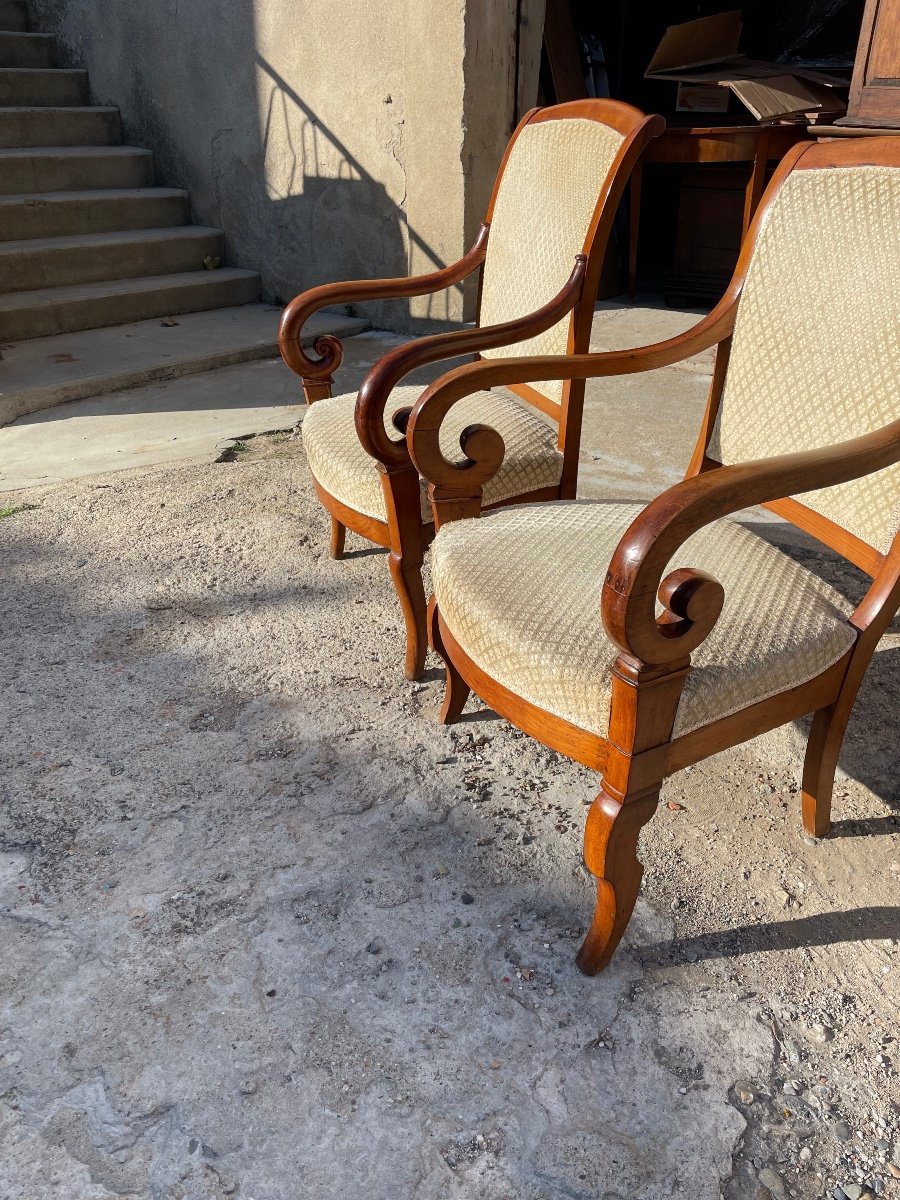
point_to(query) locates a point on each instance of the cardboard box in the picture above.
(697, 43)
(781, 97)
(703, 54)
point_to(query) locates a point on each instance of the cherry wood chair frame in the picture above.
(654, 652)
(404, 533)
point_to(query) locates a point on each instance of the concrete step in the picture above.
(26, 85)
(54, 126)
(48, 371)
(57, 214)
(114, 302)
(14, 15)
(74, 168)
(26, 266)
(27, 49)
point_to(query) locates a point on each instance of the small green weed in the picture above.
(12, 509)
(233, 452)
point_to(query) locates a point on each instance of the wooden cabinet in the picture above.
(875, 91)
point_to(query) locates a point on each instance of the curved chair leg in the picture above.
(408, 584)
(642, 713)
(456, 690)
(819, 767)
(402, 496)
(827, 735)
(610, 854)
(338, 533)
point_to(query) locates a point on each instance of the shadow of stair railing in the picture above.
(316, 184)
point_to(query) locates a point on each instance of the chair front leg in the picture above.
(610, 854)
(402, 494)
(642, 713)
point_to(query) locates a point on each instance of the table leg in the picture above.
(634, 221)
(757, 180)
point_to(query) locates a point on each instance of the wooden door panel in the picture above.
(875, 91)
(883, 66)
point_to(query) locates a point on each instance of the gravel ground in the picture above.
(268, 931)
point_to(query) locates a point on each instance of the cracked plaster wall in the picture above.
(329, 140)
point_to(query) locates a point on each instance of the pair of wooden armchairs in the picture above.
(640, 639)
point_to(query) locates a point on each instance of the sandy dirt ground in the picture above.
(269, 931)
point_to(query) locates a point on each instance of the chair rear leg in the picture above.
(338, 533)
(820, 764)
(456, 690)
(610, 854)
(826, 738)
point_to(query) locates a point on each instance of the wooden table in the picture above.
(758, 145)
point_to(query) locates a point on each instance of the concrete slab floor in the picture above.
(48, 371)
(173, 420)
(163, 422)
(268, 931)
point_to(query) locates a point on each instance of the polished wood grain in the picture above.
(875, 87)
(655, 617)
(392, 367)
(338, 535)
(711, 145)
(860, 553)
(367, 527)
(316, 373)
(483, 448)
(404, 531)
(635, 580)
(456, 690)
(871, 619)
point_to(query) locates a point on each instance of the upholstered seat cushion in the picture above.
(520, 592)
(347, 472)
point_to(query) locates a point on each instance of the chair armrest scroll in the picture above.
(328, 347)
(691, 599)
(384, 376)
(483, 447)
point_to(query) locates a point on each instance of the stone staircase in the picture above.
(86, 240)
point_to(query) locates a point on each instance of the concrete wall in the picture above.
(329, 138)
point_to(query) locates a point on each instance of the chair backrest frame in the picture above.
(882, 565)
(636, 129)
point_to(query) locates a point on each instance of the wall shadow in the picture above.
(196, 86)
(352, 210)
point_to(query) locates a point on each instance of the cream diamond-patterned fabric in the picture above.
(816, 352)
(520, 591)
(547, 197)
(343, 468)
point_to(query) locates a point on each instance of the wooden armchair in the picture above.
(639, 641)
(540, 252)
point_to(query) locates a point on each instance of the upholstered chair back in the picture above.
(542, 217)
(815, 357)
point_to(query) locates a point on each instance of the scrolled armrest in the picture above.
(328, 347)
(484, 454)
(691, 599)
(389, 370)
